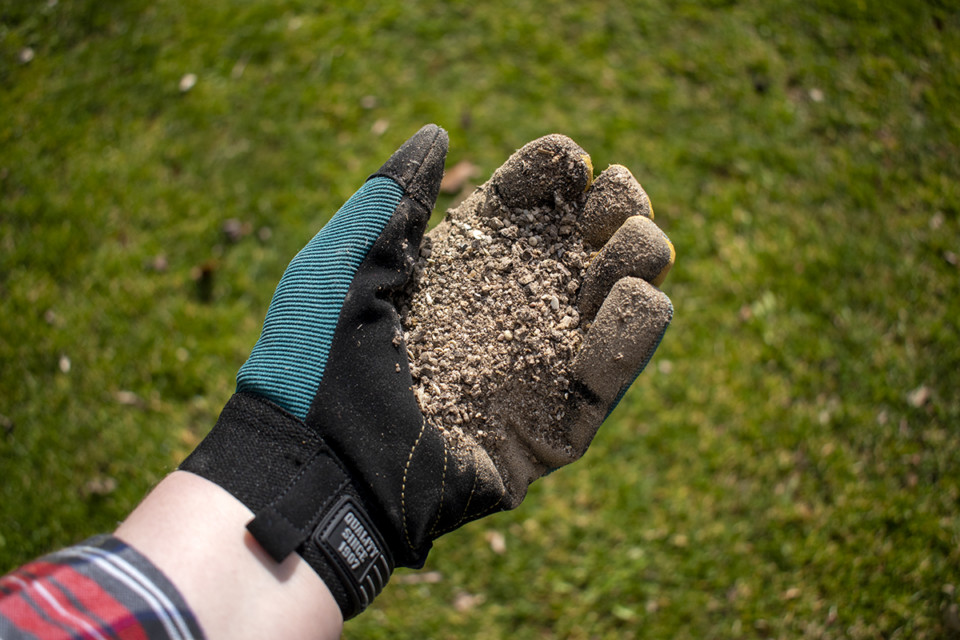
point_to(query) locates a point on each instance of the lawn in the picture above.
(788, 465)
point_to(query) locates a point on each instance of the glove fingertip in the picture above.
(639, 248)
(623, 337)
(417, 166)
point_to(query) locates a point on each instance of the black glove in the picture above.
(324, 440)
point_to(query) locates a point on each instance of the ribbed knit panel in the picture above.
(289, 359)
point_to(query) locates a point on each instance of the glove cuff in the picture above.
(302, 498)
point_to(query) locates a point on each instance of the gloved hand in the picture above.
(325, 440)
(534, 312)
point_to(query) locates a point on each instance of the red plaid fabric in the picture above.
(99, 589)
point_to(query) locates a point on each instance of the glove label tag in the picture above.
(347, 536)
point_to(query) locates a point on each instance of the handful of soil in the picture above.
(495, 322)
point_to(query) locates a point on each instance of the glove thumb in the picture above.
(417, 166)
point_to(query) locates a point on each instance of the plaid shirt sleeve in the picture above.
(101, 588)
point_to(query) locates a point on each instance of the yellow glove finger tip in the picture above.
(660, 277)
(589, 164)
(614, 197)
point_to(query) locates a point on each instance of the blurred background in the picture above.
(788, 465)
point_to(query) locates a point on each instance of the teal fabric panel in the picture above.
(289, 359)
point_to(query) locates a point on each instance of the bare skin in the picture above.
(194, 532)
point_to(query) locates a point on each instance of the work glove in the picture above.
(326, 439)
(535, 307)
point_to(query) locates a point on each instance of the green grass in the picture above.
(789, 465)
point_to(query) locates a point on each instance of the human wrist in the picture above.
(236, 591)
(320, 515)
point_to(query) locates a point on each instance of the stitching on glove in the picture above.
(467, 516)
(473, 490)
(403, 486)
(443, 487)
(491, 509)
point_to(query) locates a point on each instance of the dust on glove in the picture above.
(534, 309)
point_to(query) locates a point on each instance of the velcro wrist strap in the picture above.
(302, 498)
(316, 509)
(285, 523)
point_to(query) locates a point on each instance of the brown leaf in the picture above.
(424, 577)
(100, 486)
(497, 542)
(464, 601)
(919, 396)
(457, 177)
